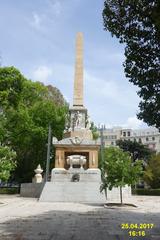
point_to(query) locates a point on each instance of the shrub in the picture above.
(6, 190)
(149, 192)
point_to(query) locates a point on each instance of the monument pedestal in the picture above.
(62, 188)
(72, 192)
(82, 133)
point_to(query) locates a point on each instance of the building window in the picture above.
(147, 139)
(112, 143)
(140, 140)
(124, 134)
(129, 134)
(153, 138)
(114, 137)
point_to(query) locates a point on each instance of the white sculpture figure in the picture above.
(88, 122)
(38, 175)
(67, 123)
(78, 117)
(69, 129)
(65, 130)
(54, 140)
(72, 122)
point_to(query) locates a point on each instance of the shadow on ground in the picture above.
(99, 224)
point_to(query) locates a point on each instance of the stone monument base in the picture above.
(72, 192)
(82, 133)
(79, 185)
(63, 187)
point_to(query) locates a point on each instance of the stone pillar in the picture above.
(78, 79)
(59, 163)
(93, 159)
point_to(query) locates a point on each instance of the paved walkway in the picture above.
(28, 219)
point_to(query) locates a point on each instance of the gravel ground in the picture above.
(28, 219)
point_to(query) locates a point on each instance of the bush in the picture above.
(7, 162)
(149, 192)
(11, 190)
(152, 172)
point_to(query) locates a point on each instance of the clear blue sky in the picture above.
(38, 37)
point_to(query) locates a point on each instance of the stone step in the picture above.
(72, 192)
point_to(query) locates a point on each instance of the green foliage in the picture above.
(137, 25)
(95, 135)
(137, 150)
(55, 95)
(152, 172)
(118, 169)
(2, 126)
(10, 190)
(94, 130)
(7, 162)
(11, 84)
(32, 92)
(24, 125)
(150, 192)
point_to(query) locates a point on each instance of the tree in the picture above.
(137, 25)
(24, 125)
(55, 95)
(94, 130)
(137, 150)
(118, 169)
(152, 172)
(11, 84)
(7, 162)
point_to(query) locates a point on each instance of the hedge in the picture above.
(9, 190)
(143, 191)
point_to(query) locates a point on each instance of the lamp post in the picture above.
(102, 143)
(48, 153)
(102, 155)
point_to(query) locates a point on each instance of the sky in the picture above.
(38, 38)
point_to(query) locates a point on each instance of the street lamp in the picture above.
(48, 153)
(102, 143)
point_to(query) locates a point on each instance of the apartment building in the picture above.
(149, 136)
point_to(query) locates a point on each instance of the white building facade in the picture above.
(149, 136)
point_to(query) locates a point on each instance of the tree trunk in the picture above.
(121, 195)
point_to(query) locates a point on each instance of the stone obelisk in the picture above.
(78, 78)
(78, 124)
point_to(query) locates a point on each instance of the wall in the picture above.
(31, 189)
